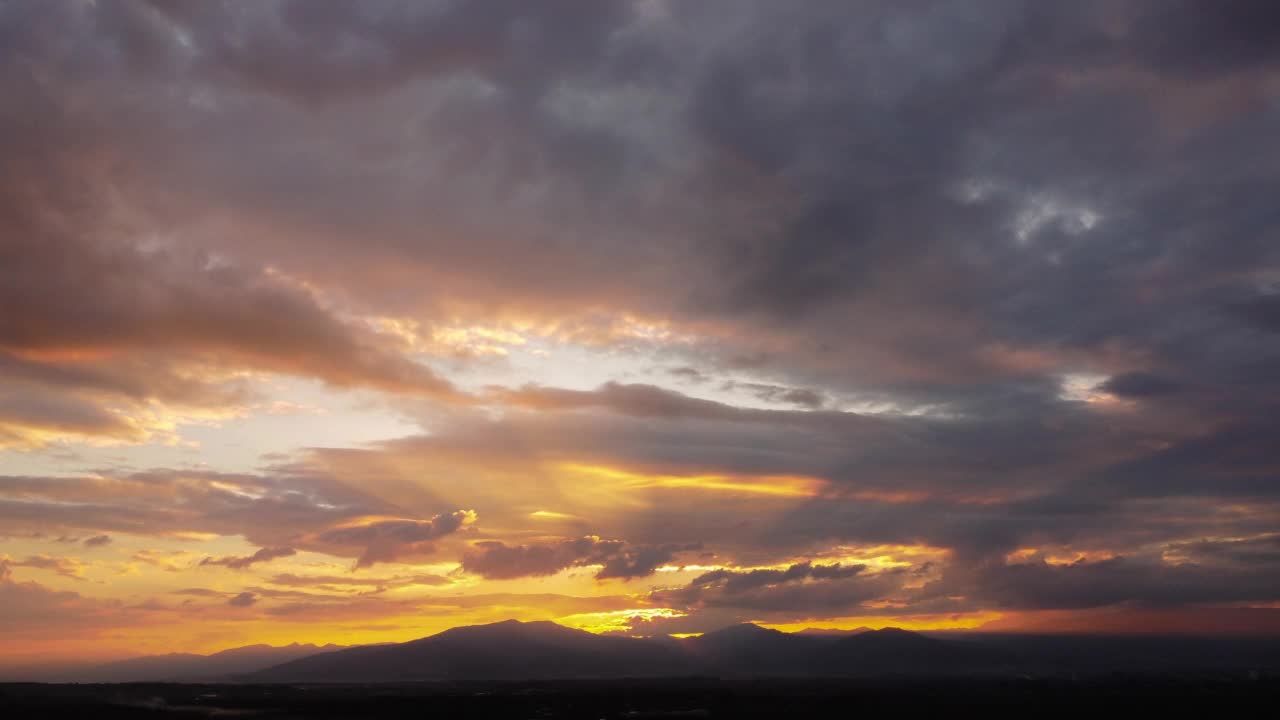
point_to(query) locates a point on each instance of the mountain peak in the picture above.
(513, 650)
(833, 632)
(500, 650)
(893, 632)
(745, 629)
(510, 629)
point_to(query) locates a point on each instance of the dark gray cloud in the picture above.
(814, 590)
(1199, 37)
(688, 373)
(243, 561)
(386, 540)
(1083, 584)
(783, 109)
(952, 248)
(244, 599)
(1139, 384)
(498, 560)
(322, 52)
(1240, 553)
(97, 541)
(803, 397)
(641, 561)
(1262, 311)
(735, 581)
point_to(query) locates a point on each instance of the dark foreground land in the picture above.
(1247, 695)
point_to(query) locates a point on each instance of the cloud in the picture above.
(1139, 384)
(976, 484)
(199, 592)
(97, 541)
(265, 554)
(1261, 310)
(193, 317)
(387, 540)
(806, 588)
(1243, 553)
(1116, 581)
(641, 561)
(494, 559)
(349, 581)
(399, 43)
(907, 267)
(64, 566)
(906, 262)
(804, 397)
(25, 603)
(270, 511)
(688, 373)
(244, 599)
(649, 401)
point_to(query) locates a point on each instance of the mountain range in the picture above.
(515, 651)
(173, 667)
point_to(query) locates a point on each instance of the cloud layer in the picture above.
(734, 310)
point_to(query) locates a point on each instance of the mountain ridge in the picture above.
(176, 667)
(542, 650)
(512, 650)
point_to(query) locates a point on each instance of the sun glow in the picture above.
(618, 620)
(1057, 556)
(917, 623)
(790, 486)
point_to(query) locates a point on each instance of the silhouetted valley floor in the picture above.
(1200, 695)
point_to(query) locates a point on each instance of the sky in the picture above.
(353, 322)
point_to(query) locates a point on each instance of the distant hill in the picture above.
(183, 667)
(751, 649)
(895, 651)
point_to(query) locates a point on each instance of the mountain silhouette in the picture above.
(752, 649)
(832, 632)
(514, 650)
(179, 667)
(892, 650)
(509, 650)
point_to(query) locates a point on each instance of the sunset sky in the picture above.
(353, 322)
